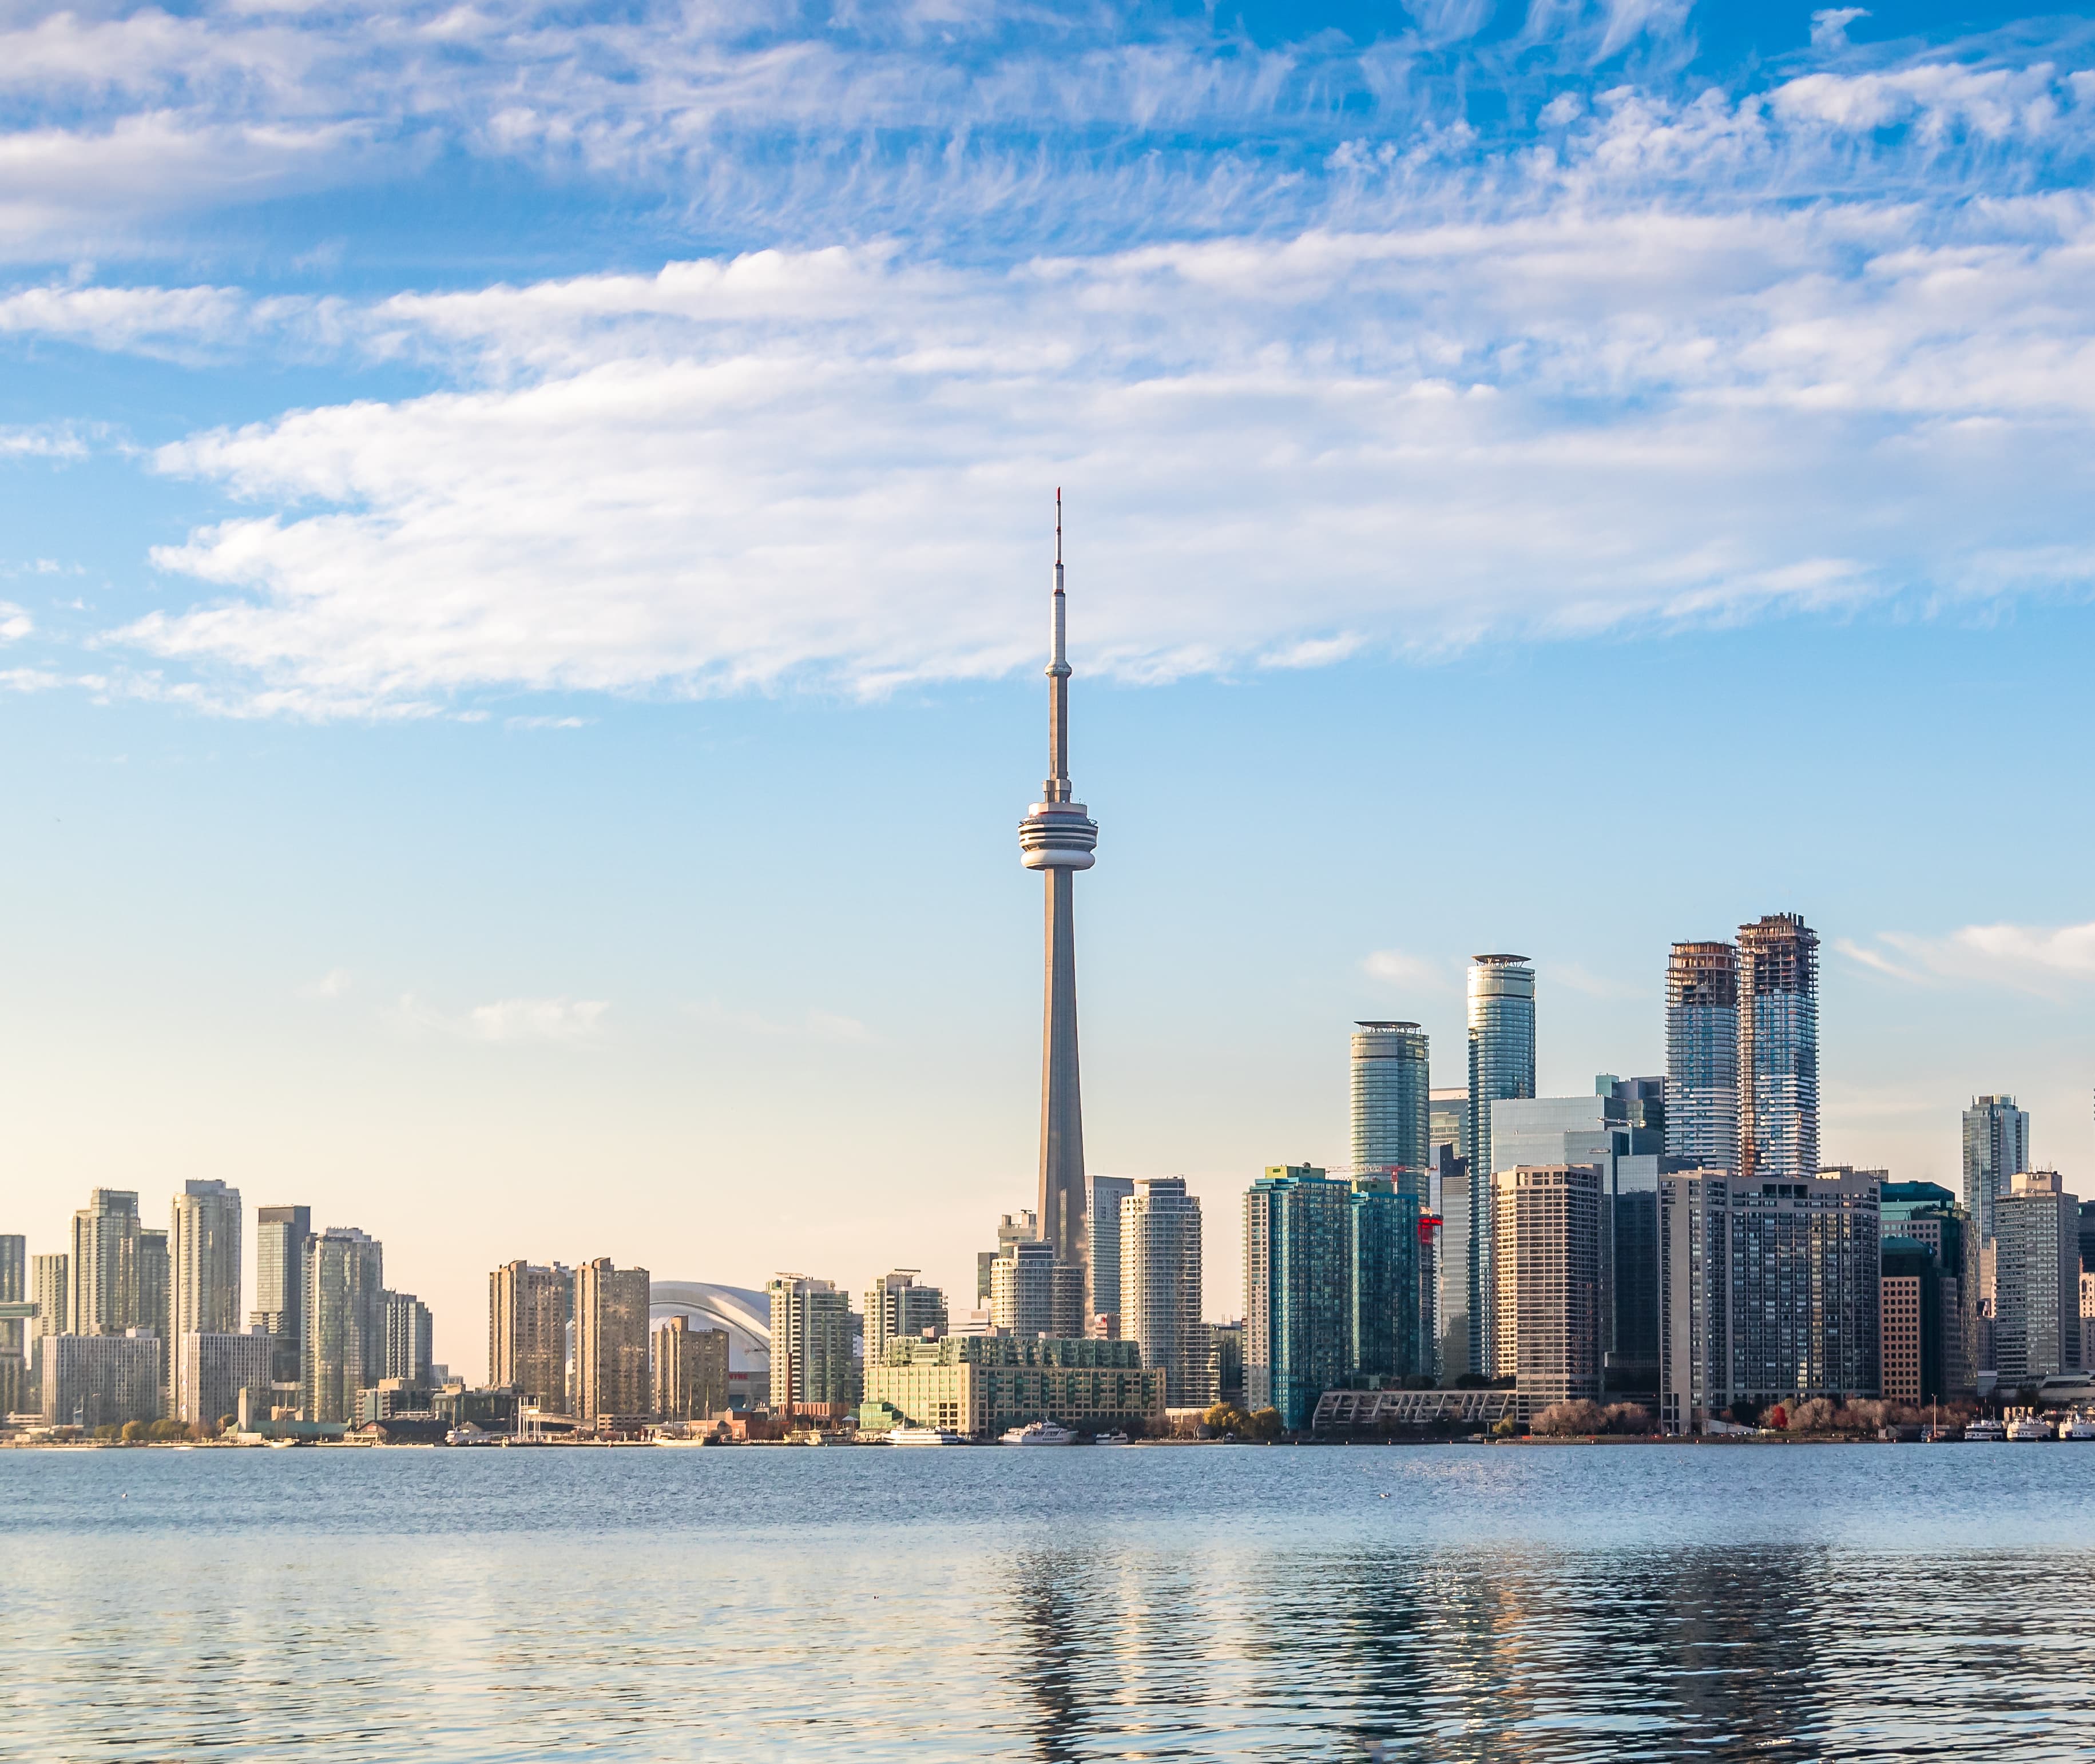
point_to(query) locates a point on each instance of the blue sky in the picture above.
(526, 533)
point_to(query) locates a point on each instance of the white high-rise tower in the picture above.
(1057, 836)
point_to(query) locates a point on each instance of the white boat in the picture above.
(922, 1436)
(2077, 1427)
(1109, 1439)
(1040, 1433)
(1984, 1429)
(2029, 1427)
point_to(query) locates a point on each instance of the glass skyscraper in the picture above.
(343, 1326)
(1777, 1050)
(1501, 1066)
(1702, 1055)
(1995, 1149)
(1295, 1288)
(1392, 1104)
(1388, 1329)
(280, 1261)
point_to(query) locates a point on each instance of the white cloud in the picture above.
(331, 984)
(1829, 29)
(567, 1021)
(15, 623)
(1413, 973)
(2020, 957)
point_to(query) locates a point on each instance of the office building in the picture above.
(51, 1291)
(101, 1381)
(213, 1367)
(410, 1342)
(342, 1321)
(1779, 1051)
(895, 1306)
(528, 1310)
(203, 1260)
(104, 1266)
(1702, 1055)
(1995, 1146)
(1929, 1215)
(1501, 1015)
(1102, 1299)
(1546, 1229)
(690, 1370)
(1058, 838)
(1160, 1288)
(1448, 1120)
(1769, 1292)
(1033, 1292)
(980, 1386)
(1387, 1331)
(811, 1342)
(1391, 1104)
(1910, 1322)
(281, 1234)
(1012, 1228)
(14, 1290)
(2036, 1280)
(611, 1374)
(1296, 1237)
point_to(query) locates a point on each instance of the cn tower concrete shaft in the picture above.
(1058, 837)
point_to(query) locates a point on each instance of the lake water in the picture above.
(1241, 1603)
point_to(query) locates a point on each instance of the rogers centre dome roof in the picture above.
(744, 1314)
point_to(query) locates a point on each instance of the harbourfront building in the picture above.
(1996, 1147)
(2036, 1280)
(213, 1367)
(156, 1290)
(895, 1306)
(1012, 1228)
(104, 1269)
(1928, 1215)
(1391, 1096)
(1777, 1050)
(203, 1260)
(1910, 1329)
(343, 1322)
(14, 1290)
(811, 1342)
(1450, 1263)
(51, 1291)
(980, 1386)
(281, 1234)
(1160, 1288)
(529, 1307)
(410, 1343)
(690, 1371)
(1102, 1302)
(1387, 1338)
(1702, 1055)
(1501, 1029)
(612, 1377)
(101, 1381)
(1769, 1292)
(1296, 1237)
(1547, 1229)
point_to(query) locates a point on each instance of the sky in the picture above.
(524, 535)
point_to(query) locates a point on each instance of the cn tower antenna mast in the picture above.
(1058, 837)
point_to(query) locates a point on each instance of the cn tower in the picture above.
(1058, 837)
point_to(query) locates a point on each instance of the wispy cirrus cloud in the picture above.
(2039, 959)
(568, 1023)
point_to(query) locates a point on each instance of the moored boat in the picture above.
(1985, 1431)
(922, 1436)
(1040, 1433)
(2077, 1427)
(2029, 1427)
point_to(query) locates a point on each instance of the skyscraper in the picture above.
(14, 1290)
(279, 1263)
(1387, 1330)
(1012, 1228)
(51, 1291)
(410, 1344)
(1160, 1288)
(343, 1322)
(1295, 1235)
(1995, 1148)
(2036, 1280)
(529, 1309)
(1546, 1229)
(1777, 1050)
(104, 1269)
(154, 1292)
(690, 1371)
(810, 1350)
(1702, 1054)
(1023, 1294)
(1501, 1065)
(203, 1262)
(1391, 1097)
(1059, 837)
(612, 1373)
(1102, 1197)
(897, 1309)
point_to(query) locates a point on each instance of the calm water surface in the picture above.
(1239, 1603)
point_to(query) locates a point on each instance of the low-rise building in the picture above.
(979, 1386)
